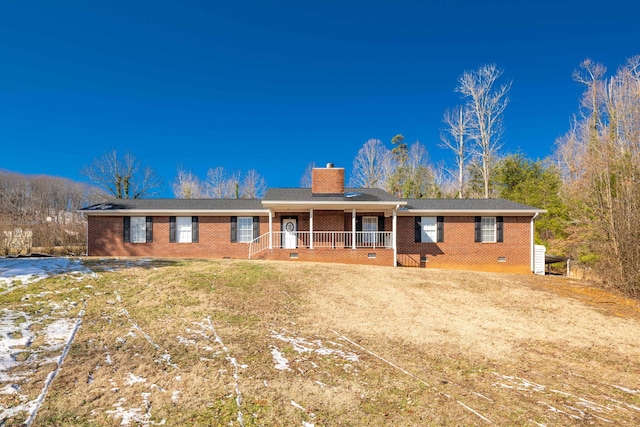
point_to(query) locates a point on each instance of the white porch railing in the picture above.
(322, 239)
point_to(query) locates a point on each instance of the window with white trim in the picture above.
(183, 229)
(428, 229)
(138, 229)
(370, 228)
(245, 229)
(488, 229)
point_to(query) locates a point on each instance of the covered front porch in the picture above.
(329, 235)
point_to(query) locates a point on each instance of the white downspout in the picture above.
(533, 245)
(310, 228)
(394, 227)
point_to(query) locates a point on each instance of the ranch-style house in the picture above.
(324, 223)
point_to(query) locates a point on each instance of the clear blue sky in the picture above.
(275, 85)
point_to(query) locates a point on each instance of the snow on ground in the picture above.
(22, 271)
(57, 326)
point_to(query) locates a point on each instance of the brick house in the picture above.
(324, 223)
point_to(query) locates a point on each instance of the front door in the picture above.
(290, 228)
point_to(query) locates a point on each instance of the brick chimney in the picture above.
(327, 180)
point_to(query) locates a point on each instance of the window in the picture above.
(183, 229)
(245, 229)
(138, 229)
(429, 229)
(370, 227)
(488, 229)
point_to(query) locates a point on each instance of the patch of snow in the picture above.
(175, 396)
(297, 405)
(57, 332)
(301, 345)
(23, 271)
(282, 364)
(626, 390)
(132, 379)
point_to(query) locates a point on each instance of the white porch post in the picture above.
(270, 229)
(353, 229)
(310, 228)
(395, 245)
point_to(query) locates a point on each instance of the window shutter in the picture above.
(195, 229)
(417, 229)
(256, 227)
(149, 229)
(499, 229)
(126, 235)
(172, 229)
(440, 229)
(478, 229)
(358, 223)
(234, 229)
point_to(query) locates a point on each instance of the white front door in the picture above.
(290, 228)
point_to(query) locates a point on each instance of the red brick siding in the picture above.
(106, 239)
(327, 180)
(383, 257)
(459, 251)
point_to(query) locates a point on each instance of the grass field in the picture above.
(220, 343)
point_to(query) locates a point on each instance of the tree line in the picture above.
(38, 214)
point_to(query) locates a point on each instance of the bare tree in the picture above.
(40, 213)
(600, 161)
(306, 179)
(123, 177)
(371, 166)
(485, 106)
(456, 138)
(221, 185)
(253, 185)
(186, 185)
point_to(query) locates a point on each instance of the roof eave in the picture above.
(461, 212)
(173, 212)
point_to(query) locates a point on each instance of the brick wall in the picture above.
(106, 239)
(327, 180)
(459, 251)
(377, 256)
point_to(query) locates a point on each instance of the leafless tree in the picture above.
(485, 105)
(456, 138)
(221, 185)
(371, 166)
(40, 212)
(600, 160)
(306, 180)
(253, 185)
(123, 177)
(186, 185)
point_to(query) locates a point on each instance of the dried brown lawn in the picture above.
(194, 343)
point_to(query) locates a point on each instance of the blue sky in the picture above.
(275, 85)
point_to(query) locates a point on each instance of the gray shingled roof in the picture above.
(305, 195)
(350, 195)
(468, 205)
(176, 204)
